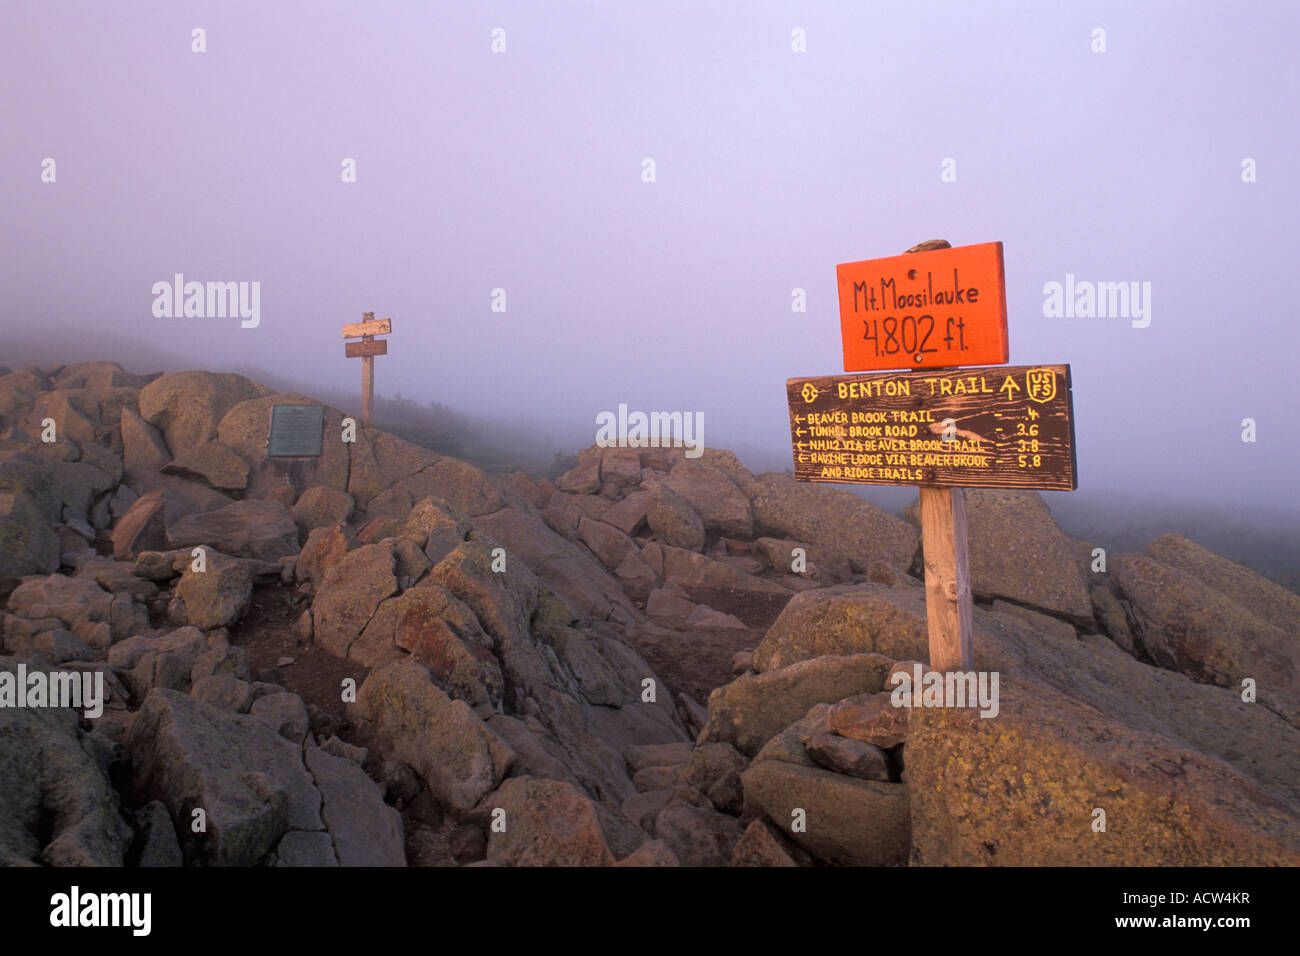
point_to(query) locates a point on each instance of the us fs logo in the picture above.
(1040, 384)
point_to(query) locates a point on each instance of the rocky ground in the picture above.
(389, 656)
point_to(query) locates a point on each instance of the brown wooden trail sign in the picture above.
(1009, 426)
(366, 350)
(934, 307)
(371, 326)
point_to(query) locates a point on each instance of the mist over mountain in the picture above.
(494, 174)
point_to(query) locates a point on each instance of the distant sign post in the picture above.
(933, 424)
(366, 350)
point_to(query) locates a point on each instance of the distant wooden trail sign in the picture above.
(932, 309)
(366, 350)
(1006, 427)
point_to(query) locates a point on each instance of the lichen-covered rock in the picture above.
(249, 782)
(847, 619)
(442, 634)
(1256, 593)
(565, 569)
(662, 603)
(709, 763)
(606, 542)
(582, 479)
(1186, 626)
(832, 518)
(118, 578)
(819, 563)
(216, 596)
(437, 527)
(845, 821)
(547, 823)
(751, 710)
(619, 468)
(697, 835)
(285, 713)
(364, 830)
(28, 545)
(56, 487)
(323, 548)
(870, 718)
(466, 488)
(691, 570)
(144, 450)
(349, 593)
(706, 617)
(1164, 804)
(758, 846)
(321, 506)
(250, 528)
(1187, 773)
(789, 745)
(99, 375)
(59, 808)
(144, 525)
(1018, 552)
(674, 520)
(650, 853)
(853, 758)
(213, 462)
(1036, 620)
(188, 406)
(164, 660)
(628, 515)
(443, 740)
(76, 602)
(722, 506)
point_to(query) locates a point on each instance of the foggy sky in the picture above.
(522, 170)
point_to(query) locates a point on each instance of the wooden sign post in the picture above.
(939, 427)
(948, 604)
(949, 611)
(367, 349)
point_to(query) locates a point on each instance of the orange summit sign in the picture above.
(935, 309)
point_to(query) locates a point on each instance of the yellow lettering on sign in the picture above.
(891, 388)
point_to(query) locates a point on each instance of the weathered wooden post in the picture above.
(947, 577)
(367, 349)
(948, 609)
